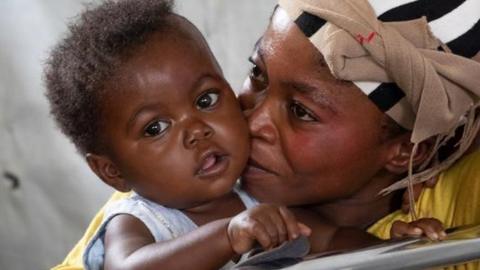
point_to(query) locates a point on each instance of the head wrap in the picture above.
(403, 68)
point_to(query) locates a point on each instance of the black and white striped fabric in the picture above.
(455, 22)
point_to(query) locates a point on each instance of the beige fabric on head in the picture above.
(441, 89)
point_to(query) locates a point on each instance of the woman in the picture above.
(335, 144)
(321, 142)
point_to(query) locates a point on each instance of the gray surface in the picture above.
(460, 246)
(42, 218)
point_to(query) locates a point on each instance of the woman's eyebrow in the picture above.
(317, 95)
(319, 60)
(258, 49)
(257, 44)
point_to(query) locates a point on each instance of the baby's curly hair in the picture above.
(80, 65)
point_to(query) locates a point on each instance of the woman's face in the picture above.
(314, 138)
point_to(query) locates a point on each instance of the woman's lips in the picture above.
(254, 168)
(212, 164)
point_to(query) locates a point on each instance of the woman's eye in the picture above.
(256, 73)
(301, 112)
(257, 76)
(207, 100)
(156, 128)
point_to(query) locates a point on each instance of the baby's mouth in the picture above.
(212, 164)
(208, 162)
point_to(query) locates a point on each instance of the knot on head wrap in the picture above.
(439, 90)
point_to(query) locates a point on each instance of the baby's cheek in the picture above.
(232, 133)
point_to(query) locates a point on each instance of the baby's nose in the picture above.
(196, 132)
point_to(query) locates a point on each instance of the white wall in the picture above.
(41, 219)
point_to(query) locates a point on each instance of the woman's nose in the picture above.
(196, 132)
(261, 122)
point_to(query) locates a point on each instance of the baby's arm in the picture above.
(130, 245)
(430, 227)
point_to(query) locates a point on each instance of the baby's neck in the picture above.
(223, 207)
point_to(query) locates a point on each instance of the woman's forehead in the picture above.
(280, 19)
(284, 42)
(294, 65)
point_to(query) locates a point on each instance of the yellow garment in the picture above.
(455, 201)
(73, 261)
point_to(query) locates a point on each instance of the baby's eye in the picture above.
(302, 113)
(156, 128)
(207, 100)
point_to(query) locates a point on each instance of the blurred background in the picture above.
(47, 192)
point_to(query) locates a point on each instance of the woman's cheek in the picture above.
(324, 149)
(306, 151)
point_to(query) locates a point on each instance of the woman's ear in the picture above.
(400, 150)
(104, 168)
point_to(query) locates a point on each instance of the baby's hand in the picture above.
(431, 227)
(267, 224)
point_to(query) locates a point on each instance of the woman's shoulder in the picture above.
(467, 166)
(460, 186)
(454, 200)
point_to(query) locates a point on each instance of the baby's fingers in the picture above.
(304, 229)
(260, 233)
(280, 226)
(294, 227)
(273, 225)
(290, 222)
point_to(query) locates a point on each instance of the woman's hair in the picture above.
(81, 63)
(391, 129)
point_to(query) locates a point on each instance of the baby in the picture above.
(140, 94)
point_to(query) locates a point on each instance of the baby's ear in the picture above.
(104, 168)
(400, 150)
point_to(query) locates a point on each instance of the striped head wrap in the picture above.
(412, 60)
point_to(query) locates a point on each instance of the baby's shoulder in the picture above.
(163, 223)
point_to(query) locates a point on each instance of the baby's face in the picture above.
(175, 130)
